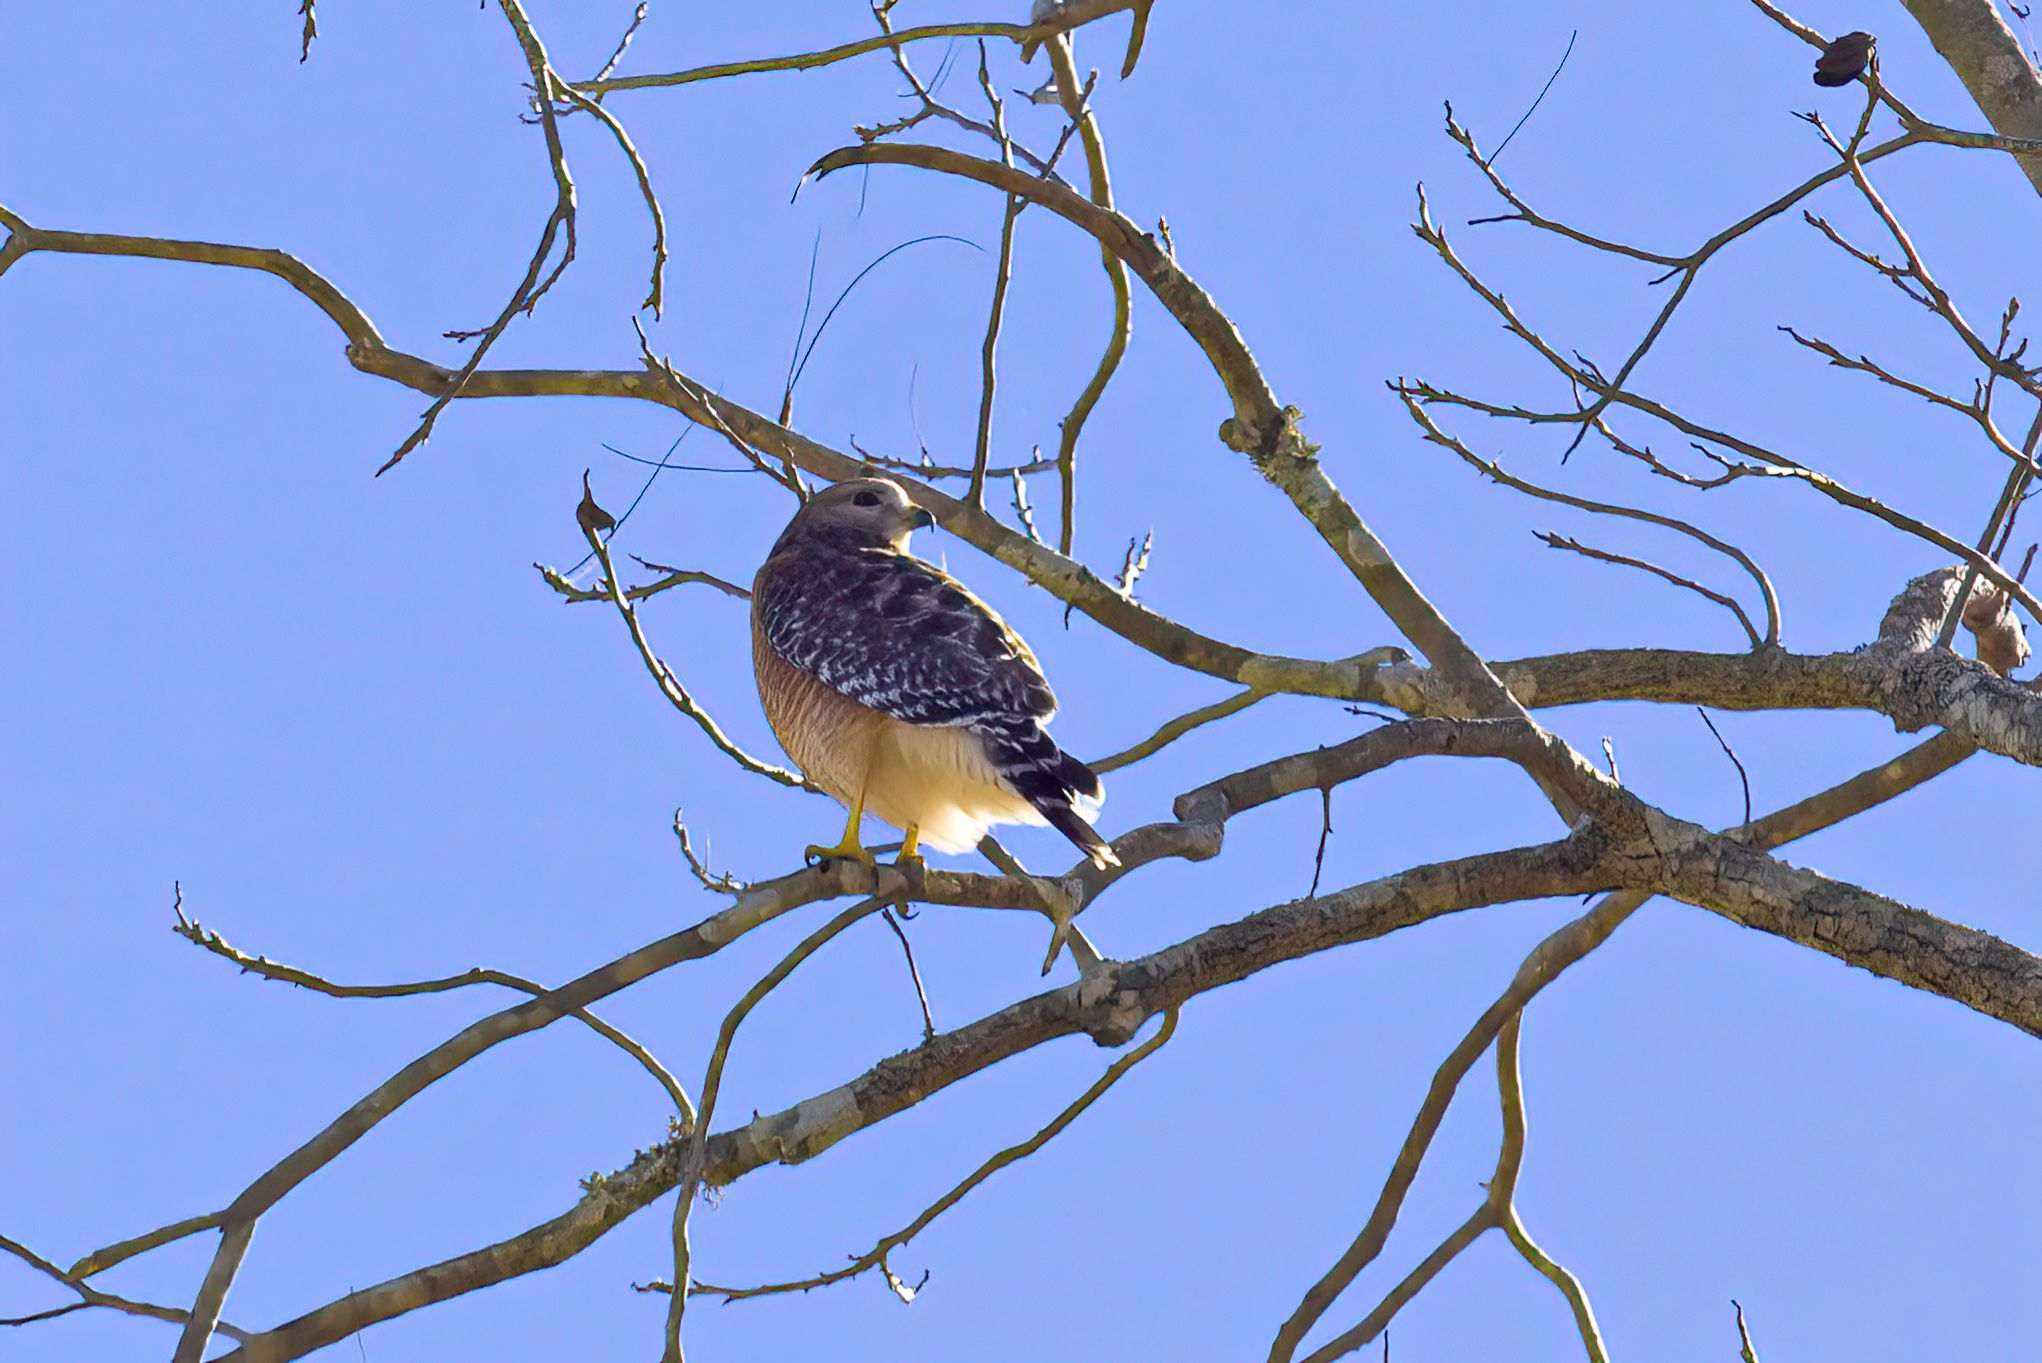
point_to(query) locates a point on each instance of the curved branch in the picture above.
(876, 1256)
(90, 1296)
(1260, 427)
(1497, 473)
(1547, 961)
(2001, 717)
(1554, 540)
(1109, 1006)
(1611, 391)
(758, 905)
(712, 1086)
(560, 225)
(213, 942)
(1551, 957)
(1070, 15)
(670, 685)
(1175, 729)
(1069, 581)
(1079, 110)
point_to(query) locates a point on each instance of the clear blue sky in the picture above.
(348, 716)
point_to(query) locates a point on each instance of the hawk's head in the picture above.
(865, 512)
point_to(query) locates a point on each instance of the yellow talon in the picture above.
(908, 855)
(849, 848)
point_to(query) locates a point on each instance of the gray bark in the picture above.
(1974, 39)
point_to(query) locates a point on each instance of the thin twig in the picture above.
(1553, 540)
(1080, 113)
(1175, 729)
(712, 1083)
(914, 973)
(1325, 832)
(630, 32)
(1743, 777)
(1497, 473)
(1134, 563)
(675, 577)
(1779, 465)
(1002, 272)
(100, 1260)
(670, 684)
(713, 882)
(928, 468)
(200, 936)
(931, 107)
(1023, 512)
(655, 294)
(1745, 1352)
(876, 1256)
(90, 1296)
(560, 222)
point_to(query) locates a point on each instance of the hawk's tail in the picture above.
(1060, 787)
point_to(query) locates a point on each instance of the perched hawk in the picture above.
(898, 691)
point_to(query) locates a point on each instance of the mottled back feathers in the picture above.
(895, 634)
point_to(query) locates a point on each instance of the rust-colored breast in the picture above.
(828, 735)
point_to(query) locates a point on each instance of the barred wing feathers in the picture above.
(900, 636)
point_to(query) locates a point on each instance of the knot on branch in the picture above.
(1273, 438)
(1113, 1008)
(1919, 618)
(2001, 642)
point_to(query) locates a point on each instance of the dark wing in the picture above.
(895, 634)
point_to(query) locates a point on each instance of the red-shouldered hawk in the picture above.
(899, 692)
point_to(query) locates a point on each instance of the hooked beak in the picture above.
(921, 520)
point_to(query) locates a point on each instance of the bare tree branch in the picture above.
(1079, 110)
(876, 1256)
(90, 1297)
(206, 939)
(1074, 14)
(1553, 540)
(560, 225)
(670, 684)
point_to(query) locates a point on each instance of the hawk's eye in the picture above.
(866, 499)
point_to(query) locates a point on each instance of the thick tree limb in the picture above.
(1974, 39)
(1109, 1007)
(1916, 689)
(1867, 930)
(1112, 1004)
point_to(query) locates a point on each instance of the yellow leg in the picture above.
(908, 855)
(849, 849)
